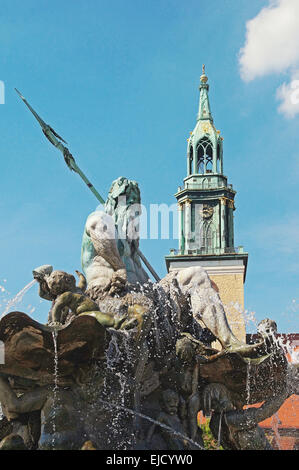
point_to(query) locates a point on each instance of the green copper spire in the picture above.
(204, 111)
(205, 149)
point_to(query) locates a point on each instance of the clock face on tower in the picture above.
(206, 211)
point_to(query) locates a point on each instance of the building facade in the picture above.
(206, 216)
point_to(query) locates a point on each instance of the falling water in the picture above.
(219, 430)
(275, 426)
(152, 420)
(18, 297)
(122, 382)
(143, 290)
(55, 390)
(113, 352)
(117, 348)
(248, 371)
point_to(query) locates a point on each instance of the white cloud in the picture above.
(272, 46)
(288, 94)
(272, 39)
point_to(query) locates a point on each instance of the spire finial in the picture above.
(203, 78)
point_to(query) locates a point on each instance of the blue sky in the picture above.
(119, 81)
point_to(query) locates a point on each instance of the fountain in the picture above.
(126, 363)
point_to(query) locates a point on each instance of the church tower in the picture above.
(206, 216)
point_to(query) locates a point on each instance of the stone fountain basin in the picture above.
(254, 380)
(30, 352)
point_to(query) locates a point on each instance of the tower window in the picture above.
(191, 161)
(207, 235)
(218, 157)
(204, 156)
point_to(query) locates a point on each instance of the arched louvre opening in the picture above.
(204, 156)
(218, 157)
(191, 160)
(200, 160)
